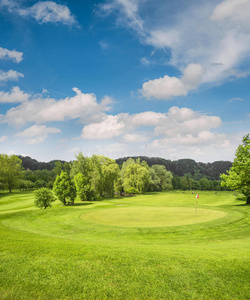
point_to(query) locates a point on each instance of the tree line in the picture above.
(181, 167)
(99, 176)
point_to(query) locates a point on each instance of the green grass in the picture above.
(148, 247)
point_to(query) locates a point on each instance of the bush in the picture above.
(44, 197)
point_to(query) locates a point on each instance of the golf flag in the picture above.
(197, 197)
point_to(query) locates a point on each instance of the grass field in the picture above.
(153, 246)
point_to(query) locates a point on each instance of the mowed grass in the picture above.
(154, 246)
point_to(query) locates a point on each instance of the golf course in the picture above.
(153, 246)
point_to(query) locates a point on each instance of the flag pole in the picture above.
(197, 197)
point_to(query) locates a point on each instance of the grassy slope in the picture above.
(58, 253)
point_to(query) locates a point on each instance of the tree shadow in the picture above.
(80, 204)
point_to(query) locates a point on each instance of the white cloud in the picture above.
(46, 110)
(235, 99)
(43, 11)
(10, 75)
(110, 127)
(145, 61)
(3, 138)
(127, 8)
(134, 138)
(184, 121)
(15, 96)
(36, 134)
(212, 35)
(104, 44)
(235, 10)
(168, 87)
(179, 126)
(13, 55)
(147, 118)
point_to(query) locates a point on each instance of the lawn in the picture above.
(155, 246)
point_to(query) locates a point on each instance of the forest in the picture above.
(88, 178)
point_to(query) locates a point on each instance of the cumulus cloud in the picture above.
(134, 138)
(184, 121)
(214, 36)
(37, 134)
(46, 110)
(110, 127)
(10, 75)
(14, 96)
(43, 12)
(3, 138)
(235, 10)
(167, 87)
(179, 126)
(13, 55)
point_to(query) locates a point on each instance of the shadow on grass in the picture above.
(80, 204)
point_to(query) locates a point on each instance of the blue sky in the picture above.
(124, 77)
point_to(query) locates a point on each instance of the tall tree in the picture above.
(238, 177)
(10, 170)
(64, 188)
(136, 177)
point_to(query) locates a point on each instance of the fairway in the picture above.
(154, 246)
(152, 216)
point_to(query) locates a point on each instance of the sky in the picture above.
(165, 78)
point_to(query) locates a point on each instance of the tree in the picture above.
(136, 176)
(10, 170)
(64, 188)
(44, 197)
(83, 188)
(160, 178)
(238, 177)
(204, 184)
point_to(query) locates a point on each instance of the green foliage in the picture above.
(160, 178)
(64, 188)
(44, 197)
(84, 189)
(136, 175)
(238, 177)
(204, 184)
(10, 170)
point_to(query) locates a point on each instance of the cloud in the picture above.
(127, 11)
(37, 134)
(110, 127)
(47, 110)
(10, 75)
(15, 96)
(13, 55)
(185, 121)
(145, 61)
(214, 36)
(235, 99)
(104, 44)
(168, 87)
(134, 138)
(234, 10)
(3, 138)
(43, 12)
(178, 127)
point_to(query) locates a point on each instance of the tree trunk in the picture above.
(248, 199)
(10, 190)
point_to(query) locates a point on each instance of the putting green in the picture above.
(152, 216)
